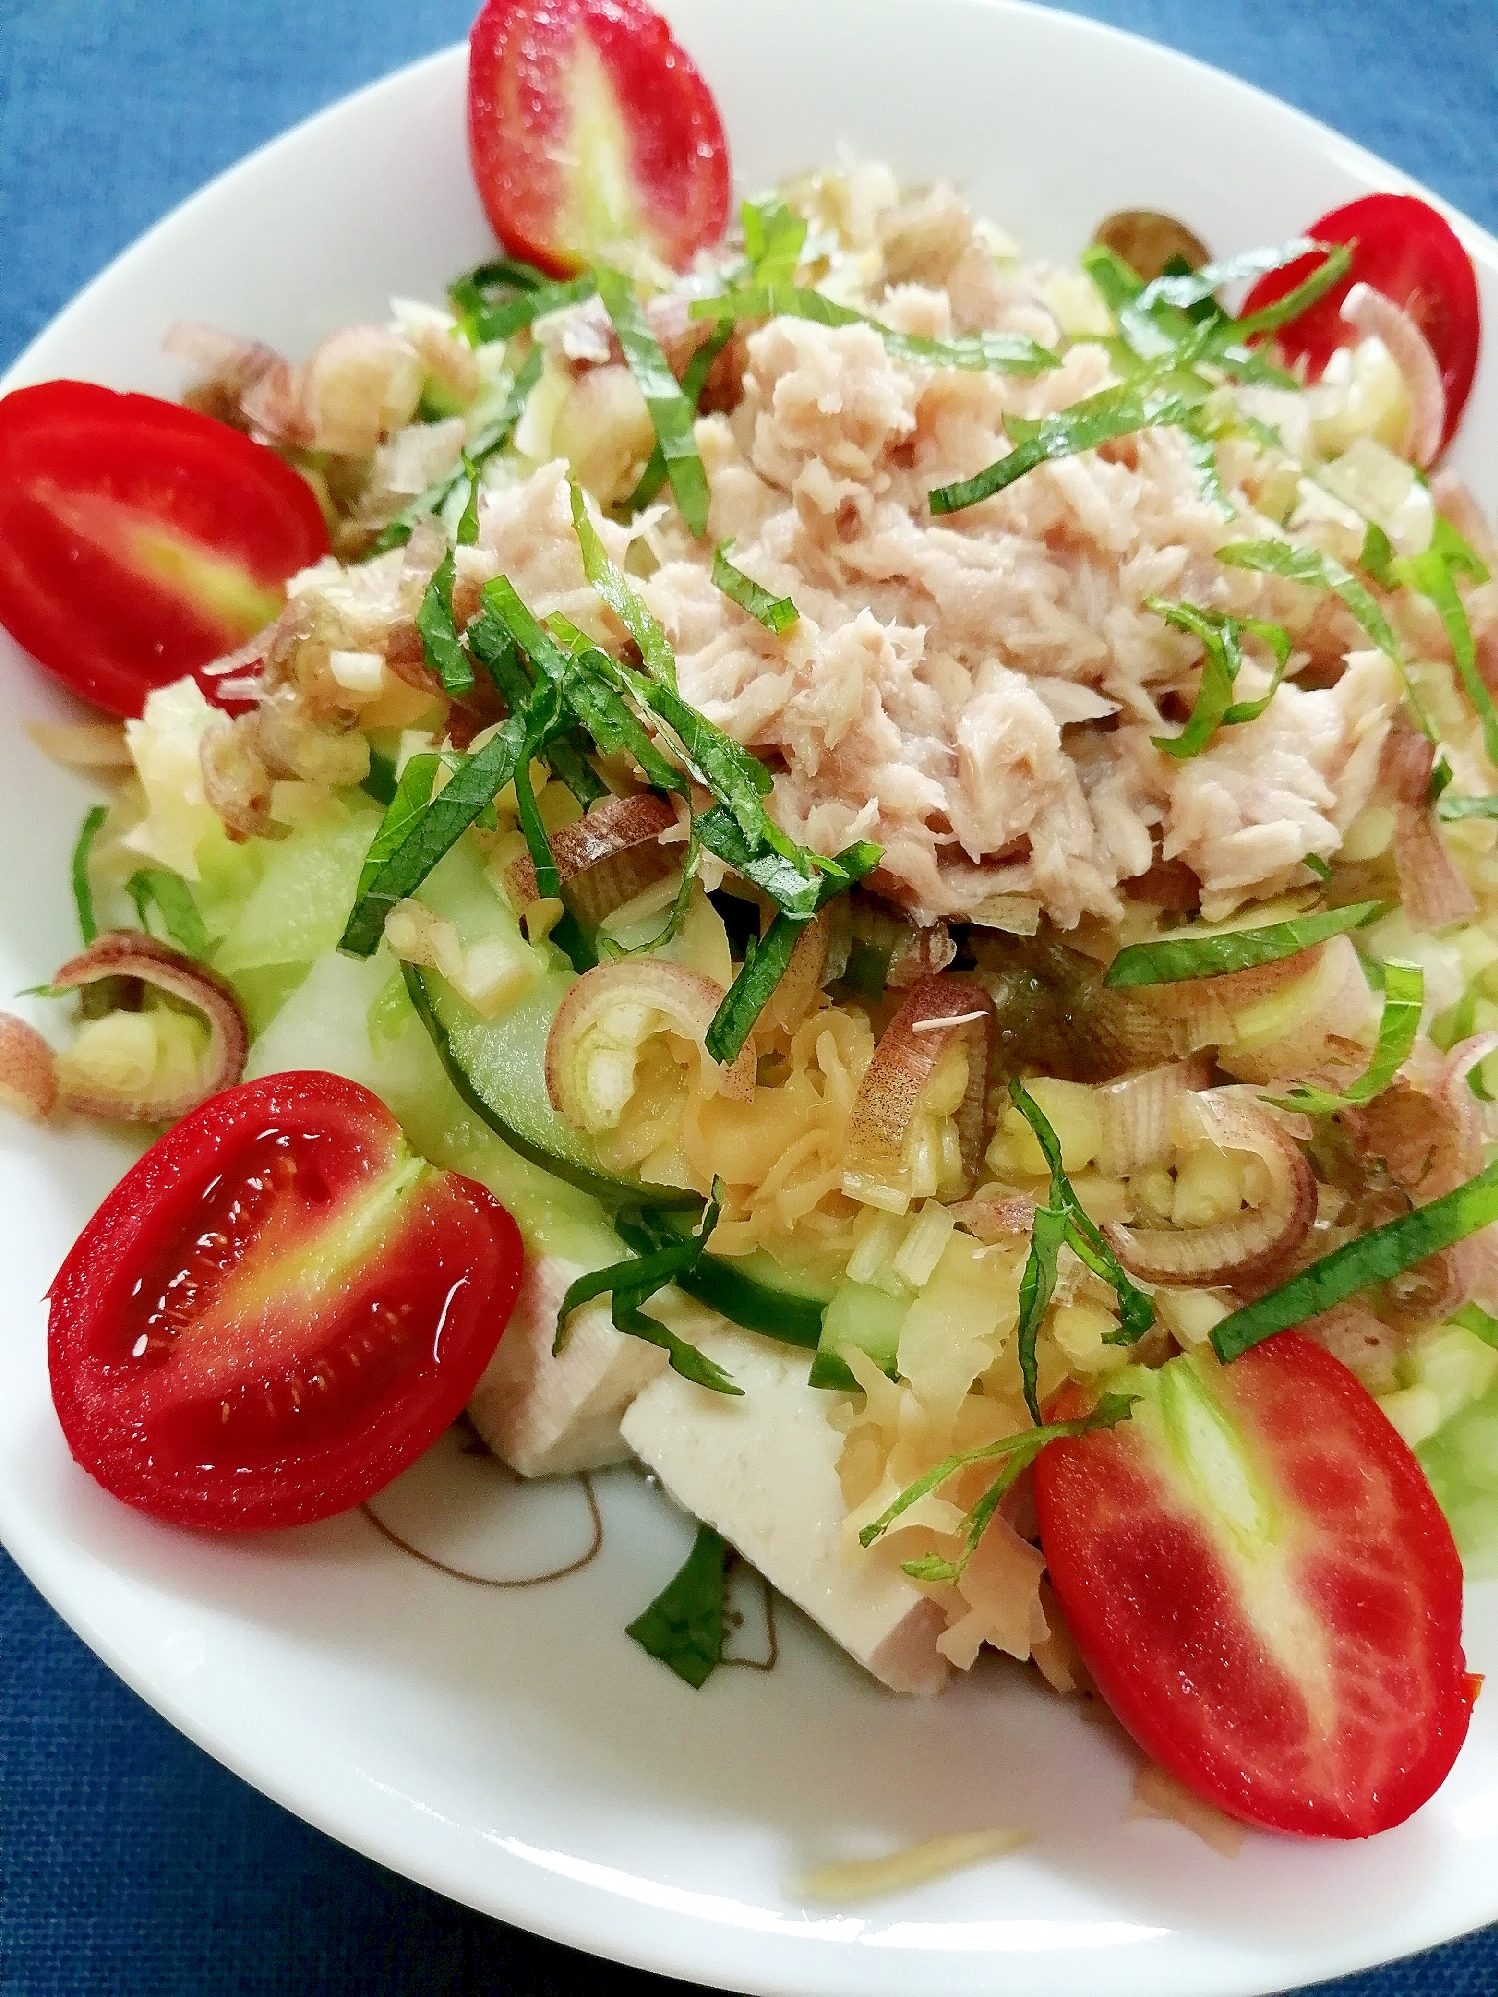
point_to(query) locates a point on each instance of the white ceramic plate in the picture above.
(515, 1750)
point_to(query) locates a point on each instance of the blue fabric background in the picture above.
(128, 1860)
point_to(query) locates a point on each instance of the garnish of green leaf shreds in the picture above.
(635, 1281)
(683, 1626)
(1016, 1453)
(167, 895)
(1373, 1258)
(83, 891)
(1404, 1000)
(1170, 960)
(1062, 1220)
(443, 648)
(1222, 646)
(670, 412)
(776, 613)
(1009, 353)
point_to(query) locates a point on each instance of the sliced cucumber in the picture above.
(861, 1316)
(498, 1068)
(755, 1290)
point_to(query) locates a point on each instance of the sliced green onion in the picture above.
(1016, 1452)
(1404, 1000)
(1221, 637)
(1006, 353)
(83, 891)
(1113, 412)
(683, 1626)
(489, 441)
(670, 411)
(776, 613)
(170, 896)
(1170, 960)
(1373, 1258)
(445, 651)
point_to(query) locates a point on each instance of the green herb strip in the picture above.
(548, 883)
(467, 531)
(468, 294)
(1452, 808)
(1317, 571)
(635, 1281)
(683, 1626)
(1113, 412)
(1374, 1258)
(670, 412)
(1016, 1452)
(1221, 638)
(177, 912)
(693, 381)
(417, 831)
(1171, 960)
(380, 783)
(1433, 576)
(443, 648)
(774, 237)
(608, 581)
(1004, 353)
(83, 890)
(748, 995)
(490, 440)
(1317, 866)
(776, 613)
(1473, 1318)
(614, 951)
(1083, 1237)
(498, 320)
(1404, 1000)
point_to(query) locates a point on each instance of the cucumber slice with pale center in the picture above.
(862, 1316)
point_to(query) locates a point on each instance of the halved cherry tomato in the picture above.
(1414, 257)
(276, 1309)
(140, 540)
(588, 126)
(1262, 1585)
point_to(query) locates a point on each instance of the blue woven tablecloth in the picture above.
(130, 1862)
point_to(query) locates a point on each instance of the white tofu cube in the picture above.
(762, 1470)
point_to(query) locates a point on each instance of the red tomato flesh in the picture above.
(140, 540)
(1262, 1585)
(276, 1310)
(1414, 257)
(588, 126)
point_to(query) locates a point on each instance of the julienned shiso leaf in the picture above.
(1118, 411)
(153, 888)
(1221, 637)
(440, 643)
(1404, 1000)
(1066, 1221)
(548, 883)
(491, 439)
(1318, 571)
(469, 294)
(1451, 806)
(776, 613)
(635, 1281)
(1007, 353)
(608, 581)
(1373, 1258)
(83, 891)
(774, 237)
(1016, 1452)
(1433, 576)
(416, 832)
(1170, 960)
(1165, 392)
(693, 381)
(670, 412)
(483, 319)
(683, 1626)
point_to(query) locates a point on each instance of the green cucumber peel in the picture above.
(1170, 960)
(683, 1626)
(1404, 1001)
(1373, 1258)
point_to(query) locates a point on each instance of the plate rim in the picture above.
(74, 1606)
